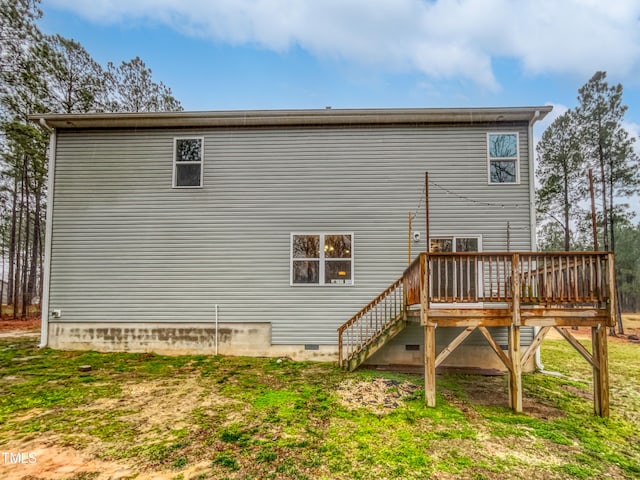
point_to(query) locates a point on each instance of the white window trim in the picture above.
(516, 158)
(479, 273)
(175, 162)
(321, 260)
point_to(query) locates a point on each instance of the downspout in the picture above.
(532, 214)
(46, 277)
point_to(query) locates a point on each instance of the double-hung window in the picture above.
(322, 259)
(503, 158)
(188, 159)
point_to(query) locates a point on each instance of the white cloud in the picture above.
(440, 38)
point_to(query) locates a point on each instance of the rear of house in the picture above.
(261, 232)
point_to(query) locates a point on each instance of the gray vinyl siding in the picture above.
(126, 246)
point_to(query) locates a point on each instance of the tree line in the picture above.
(587, 171)
(42, 73)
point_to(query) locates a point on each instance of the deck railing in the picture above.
(543, 278)
(371, 321)
(560, 278)
(483, 280)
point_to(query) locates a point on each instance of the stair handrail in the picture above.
(399, 283)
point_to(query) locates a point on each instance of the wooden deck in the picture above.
(481, 289)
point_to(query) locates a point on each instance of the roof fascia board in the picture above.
(266, 118)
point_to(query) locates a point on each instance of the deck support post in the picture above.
(430, 365)
(429, 334)
(515, 372)
(600, 371)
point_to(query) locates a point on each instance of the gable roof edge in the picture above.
(321, 117)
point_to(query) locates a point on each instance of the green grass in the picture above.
(256, 418)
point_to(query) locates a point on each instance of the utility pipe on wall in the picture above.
(217, 335)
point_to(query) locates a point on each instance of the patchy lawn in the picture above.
(147, 416)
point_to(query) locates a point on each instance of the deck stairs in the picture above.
(374, 326)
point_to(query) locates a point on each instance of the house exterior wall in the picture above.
(127, 248)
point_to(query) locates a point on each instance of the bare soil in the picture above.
(379, 395)
(19, 327)
(157, 408)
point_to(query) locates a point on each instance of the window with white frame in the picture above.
(321, 259)
(188, 159)
(503, 157)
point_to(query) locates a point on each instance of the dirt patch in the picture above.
(50, 462)
(29, 327)
(578, 392)
(493, 391)
(379, 395)
(7, 324)
(382, 396)
(153, 409)
(40, 460)
(160, 406)
(530, 407)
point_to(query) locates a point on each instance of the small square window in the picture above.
(187, 162)
(503, 157)
(322, 259)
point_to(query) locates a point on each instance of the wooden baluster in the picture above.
(545, 292)
(592, 279)
(446, 279)
(498, 280)
(529, 284)
(458, 286)
(575, 279)
(598, 282)
(508, 267)
(583, 296)
(566, 275)
(361, 336)
(505, 277)
(490, 278)
(479, 271)
(558, 274)
(470, 259)
(555, 288)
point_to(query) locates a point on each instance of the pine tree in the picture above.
(560, 172)
(608, 147)
(132, 89)
(17, 30)
(41, 74)
(75, 81)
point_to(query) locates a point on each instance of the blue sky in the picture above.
(280, 54)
